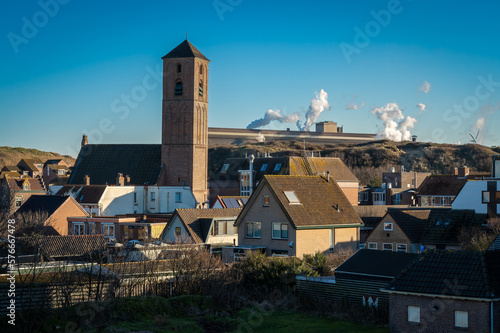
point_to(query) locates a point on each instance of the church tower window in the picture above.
(179, 68)
(178, 88)
(200, 88)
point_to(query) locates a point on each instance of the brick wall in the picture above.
(437, 314)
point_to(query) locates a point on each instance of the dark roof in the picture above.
(16, 184)
(289, 165)
(445, 225)
(233, 202)
(52, 162)
(371, 215)
(412, 221)
(198, 221)
(452, 273)
(83, 193)
(43, 203)
(11, 168)
(102, 163)
(441, 185)
(380, 263)
(185, 50)
(30, 163)
(319, 200)
(63, 246)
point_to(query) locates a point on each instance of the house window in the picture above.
(397, 199)
(178, 89)
(178, 197)
(224, 168)
(26, 186)
(486, 197)
(177, 231)
(414, 314)
(387, 247)
(378, 196)
(265, 201)
(253, 229)
(279, 253)
(19, 202)
(135, 197)
(387, 226)
(372, 246)
(78, 229)
(277, 167)
(245, 183)
(223, 227)
(153, 196)
(292, 198)
(401, 248)
(263, 167)
(108, 230)
(92, 228)
(280, 230)
(179, 68)
(461, 319)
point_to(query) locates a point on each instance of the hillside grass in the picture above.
(178, 314)
(12, 155)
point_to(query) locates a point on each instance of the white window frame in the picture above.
(78, 224)
(414, 314)
(18, 202)
(292, 197)
(388, 224)
(280, 229)
(266, 200)
(253, 233)
(402, 245)
(384, 249)
(153, 196)
(461, 319)
(371, 247)
(108, 226)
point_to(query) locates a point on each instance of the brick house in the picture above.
(119, 228)
(297, 215)
(446, 291)
(214, 227)
(21, 189)
(439, 190)
(31, 167)
(56, 210)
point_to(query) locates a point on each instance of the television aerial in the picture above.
(474, 138)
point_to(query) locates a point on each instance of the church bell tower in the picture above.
(184, 146)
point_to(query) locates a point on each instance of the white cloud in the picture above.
(421, 106)
(352, 106)
(425, 87)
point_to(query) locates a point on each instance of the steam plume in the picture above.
(318, 105)
(261, 137)
(396, 126)
(352, 106)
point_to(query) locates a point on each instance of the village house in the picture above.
(446, 291)
(51, 212)
(21, 189)
(297, 215)
(119, 228)
(31, 167)
(233, 178)
(212, 227)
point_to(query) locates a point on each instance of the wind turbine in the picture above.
(474, 139)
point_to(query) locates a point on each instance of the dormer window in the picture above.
(178, 88)
(26, 186)
(387, 226)
(292, 198)
(179, 68)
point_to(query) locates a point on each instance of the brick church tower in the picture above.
(184, 146)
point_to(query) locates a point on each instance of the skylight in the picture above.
(292, 198)
(264, 167)
(224, 168)
(277, 167)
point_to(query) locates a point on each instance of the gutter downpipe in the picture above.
(492, 322)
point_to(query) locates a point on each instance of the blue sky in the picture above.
(65, 62)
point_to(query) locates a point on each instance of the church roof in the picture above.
(185, 50)
(103, 162)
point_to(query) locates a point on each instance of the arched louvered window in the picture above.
(178, 88)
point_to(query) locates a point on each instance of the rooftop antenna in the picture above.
(186, 34)
(474, 139)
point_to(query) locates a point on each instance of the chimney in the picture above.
(85, 141)
(127, 180)
(86, 180)
(454, 171)
(463, 171)
(120, 180)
